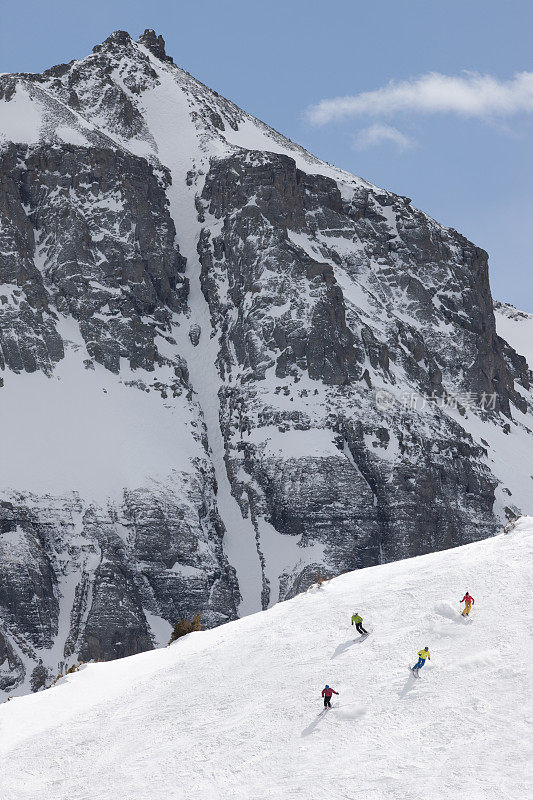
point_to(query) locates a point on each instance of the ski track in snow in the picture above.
(236, 712)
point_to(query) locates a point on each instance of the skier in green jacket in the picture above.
(357, 620)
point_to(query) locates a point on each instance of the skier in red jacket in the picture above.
(468, 600)
(327, 691)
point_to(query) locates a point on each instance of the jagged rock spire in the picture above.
(155, 44)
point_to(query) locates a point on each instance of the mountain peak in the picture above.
(155, 44)
(121, 38)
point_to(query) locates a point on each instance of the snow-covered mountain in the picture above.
(236, 711)
(225, 365)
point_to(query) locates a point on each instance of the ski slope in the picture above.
(235, 712)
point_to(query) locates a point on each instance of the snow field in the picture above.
(59, 428)
(516, 327)
(236, 712)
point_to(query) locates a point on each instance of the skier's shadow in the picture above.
(310, 728)
(409, 685)
(341, 648)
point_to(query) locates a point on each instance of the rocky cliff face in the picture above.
(225, 365)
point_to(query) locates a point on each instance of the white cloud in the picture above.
(378, 134)
(470, 95)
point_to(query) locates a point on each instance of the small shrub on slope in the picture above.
(183, 627)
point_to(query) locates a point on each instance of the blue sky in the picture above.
(278, 59)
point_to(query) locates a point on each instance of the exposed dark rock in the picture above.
(97, 221)
(156, 45)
